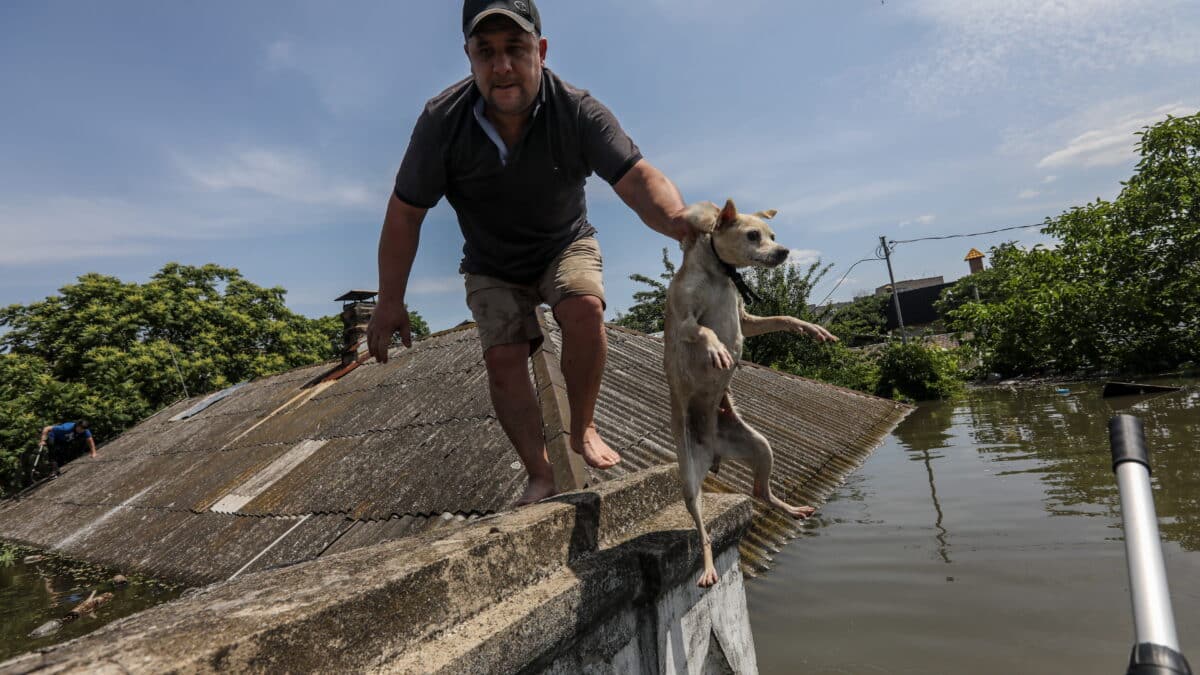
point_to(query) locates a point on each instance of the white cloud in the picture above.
(1049, 179)
(285, 175)
(803, 257)
(1111, 144)
(73, 228)
(926, 219)
(825, 200)
(1028, 194)
(987, 45)
(225, 197)
(347, 77)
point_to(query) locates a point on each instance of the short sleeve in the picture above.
(421, 180)
(608, 150)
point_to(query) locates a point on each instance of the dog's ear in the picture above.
(702, 216)
(728, 215)
(766, 215)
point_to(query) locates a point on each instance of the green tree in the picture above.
(917, 372)
(114, 352)
(417, 325)
(1121, 290)
(783, 291)
(863, 321)
(650, 306)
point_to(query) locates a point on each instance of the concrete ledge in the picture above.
(504, 593)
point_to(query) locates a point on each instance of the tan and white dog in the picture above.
(705, 323)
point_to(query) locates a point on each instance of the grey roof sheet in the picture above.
(818, 433)
(307, 468)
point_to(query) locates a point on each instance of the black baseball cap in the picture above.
(523, 12)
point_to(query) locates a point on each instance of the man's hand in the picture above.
(388, 318)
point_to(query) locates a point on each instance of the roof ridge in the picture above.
(570, 473)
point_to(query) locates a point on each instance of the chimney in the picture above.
(975, 260)
(357, 307)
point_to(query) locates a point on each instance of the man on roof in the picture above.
(510, 148)
(66, 442)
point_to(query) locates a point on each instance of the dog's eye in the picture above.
(772, 237)
(753, 236)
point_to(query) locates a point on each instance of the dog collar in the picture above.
(748, 294)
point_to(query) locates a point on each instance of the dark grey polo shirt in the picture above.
(515, 216)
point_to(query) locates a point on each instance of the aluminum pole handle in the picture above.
(1157, 644)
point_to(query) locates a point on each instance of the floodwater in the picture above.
(984, 536)
(36, 592)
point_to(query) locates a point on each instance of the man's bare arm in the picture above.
(397, 248)
(92, 445)
(655, 199)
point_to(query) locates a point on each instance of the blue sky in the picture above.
(266, 135)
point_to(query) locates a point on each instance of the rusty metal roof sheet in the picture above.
(291, 467)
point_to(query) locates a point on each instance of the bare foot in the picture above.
(537, 490)
(799, 512)
(594, 450)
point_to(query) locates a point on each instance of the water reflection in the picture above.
(925, 430)
(985, 532)
(1068, 434)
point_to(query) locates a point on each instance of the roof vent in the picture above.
(357, 307)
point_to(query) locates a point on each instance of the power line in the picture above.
(839, 283)
(972, 234)
(880, 253)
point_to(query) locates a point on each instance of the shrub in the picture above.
(918, 372)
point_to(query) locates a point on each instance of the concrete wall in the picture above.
(685, 631)
(599, 581)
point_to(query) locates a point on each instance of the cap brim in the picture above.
(521, 21)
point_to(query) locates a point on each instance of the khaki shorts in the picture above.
(504, 311)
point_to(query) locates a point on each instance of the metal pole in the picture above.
(1157, 644)
(887, 255)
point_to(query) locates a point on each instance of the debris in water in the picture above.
(31, 559)
(88, 606)
(49, 628)
(1112, 389)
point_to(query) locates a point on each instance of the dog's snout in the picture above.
(779, 255)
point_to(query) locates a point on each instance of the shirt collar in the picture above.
(490, 129)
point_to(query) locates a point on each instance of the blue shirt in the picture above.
(65, 433)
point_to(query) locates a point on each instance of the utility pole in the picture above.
(887, 255)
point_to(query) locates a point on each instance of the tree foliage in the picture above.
(863, 321)
(785, 290)
(650, 306)
(1121, 290)
(918, 372)
(114, 352)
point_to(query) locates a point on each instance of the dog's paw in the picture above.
(708, 579)
(818, 333)
(718, 357)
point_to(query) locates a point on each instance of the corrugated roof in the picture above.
(818, 433)
(291, 467)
